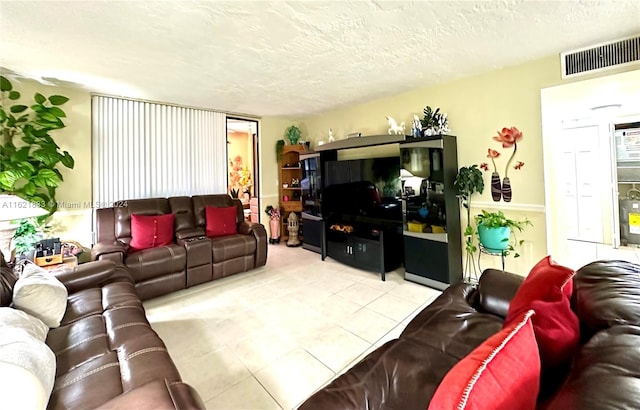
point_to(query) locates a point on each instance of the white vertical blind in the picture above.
(147, 150)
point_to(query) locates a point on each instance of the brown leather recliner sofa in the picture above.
(107, 355)
(604, 373)
(192, 258)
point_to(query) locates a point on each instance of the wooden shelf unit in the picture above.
(289, 167)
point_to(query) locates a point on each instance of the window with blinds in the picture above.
(145, 150)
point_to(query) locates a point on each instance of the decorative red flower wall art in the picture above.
(509, 138)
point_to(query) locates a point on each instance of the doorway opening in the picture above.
(242, 161)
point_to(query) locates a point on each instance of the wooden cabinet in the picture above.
(291, 195)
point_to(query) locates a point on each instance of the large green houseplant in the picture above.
(497, 233)
(469, 181)
(29, 156)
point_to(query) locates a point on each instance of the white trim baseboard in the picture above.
(511, 207)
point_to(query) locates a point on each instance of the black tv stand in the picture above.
(368, 245)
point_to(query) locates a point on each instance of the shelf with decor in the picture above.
(290, 191)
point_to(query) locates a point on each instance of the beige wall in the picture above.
(271, 130)
(477, 107)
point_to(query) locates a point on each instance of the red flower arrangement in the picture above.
(508, 137)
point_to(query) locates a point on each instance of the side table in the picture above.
(67, 261)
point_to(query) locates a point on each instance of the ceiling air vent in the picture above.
(600, 57)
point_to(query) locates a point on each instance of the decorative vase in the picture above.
(274, 226)
(496, 187)
(506, 189)
(494, 239)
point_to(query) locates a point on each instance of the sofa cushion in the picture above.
(547, 290)
(221, 221)
(401, 374)
(232, 246)
(40, 294)
(151, 231)
(607, 293)
(154, 262)
(604, 373)
(503, 371)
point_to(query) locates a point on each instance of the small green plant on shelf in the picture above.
(293, 134)
(492, 222)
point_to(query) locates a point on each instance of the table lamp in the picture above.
(12, 207)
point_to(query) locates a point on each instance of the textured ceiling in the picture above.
(290, 58)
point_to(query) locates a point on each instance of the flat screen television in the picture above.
(368, 188)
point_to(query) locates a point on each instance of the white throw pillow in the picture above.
(20, 389)
(19, 320)
(25, 359)
(40, 294)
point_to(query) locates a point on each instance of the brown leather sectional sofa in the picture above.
(193, 258)
(107, 354)
(604, 374)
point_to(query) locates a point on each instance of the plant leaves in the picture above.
(67, 160)
(14, 95)
(37, 108)
(5, 84)
(8, 179)
(48, 117)
(47, 157)
(22, 154)
(3, 115)
(49, 177)
(18, 108)
(29, 188)
(57, 112)
(40, 99)
(58, 99)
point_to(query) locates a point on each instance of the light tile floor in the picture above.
(269, 338)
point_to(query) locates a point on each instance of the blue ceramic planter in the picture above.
(494, 239)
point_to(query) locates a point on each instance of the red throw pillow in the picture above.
(150, 231)
(502, 373)
(547, 290)
(220, 220)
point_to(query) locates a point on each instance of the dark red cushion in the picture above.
(547, 290)
(221, 221)
(150, 231)
(502, 373)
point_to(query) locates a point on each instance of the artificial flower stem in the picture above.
(495, 169)
(506, 169)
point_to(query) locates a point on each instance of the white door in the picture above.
(581, 172)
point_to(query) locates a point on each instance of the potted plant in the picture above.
(469, 181)
(29, 156)
(497, 232)
(293, 134)
(25, 238)
(279, 149)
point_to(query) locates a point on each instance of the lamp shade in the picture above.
(13, 207)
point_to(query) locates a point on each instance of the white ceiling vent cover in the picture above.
(600, 57)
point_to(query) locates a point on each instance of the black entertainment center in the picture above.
(369, 219)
